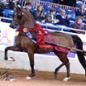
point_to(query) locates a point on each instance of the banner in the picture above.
(7, 36)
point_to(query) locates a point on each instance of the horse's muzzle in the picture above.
(13, 27)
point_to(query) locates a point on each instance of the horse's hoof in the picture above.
(28, 78)
(31, 75)
(11, 80)
(67, 79)
(12, 59)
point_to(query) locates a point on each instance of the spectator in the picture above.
(78, 25)
(1, 10)
(29, 7)
(63, 18)
(11, 4)
(40, 13)
(51, 18)
(79, 12)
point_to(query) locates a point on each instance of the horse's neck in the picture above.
(27, 20)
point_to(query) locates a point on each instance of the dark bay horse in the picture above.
(25, 44)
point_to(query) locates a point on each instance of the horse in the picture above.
(26, 44)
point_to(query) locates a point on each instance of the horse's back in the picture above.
(60, 39)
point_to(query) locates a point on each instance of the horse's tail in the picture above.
(79, 45)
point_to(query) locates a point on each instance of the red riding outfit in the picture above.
(40, 34)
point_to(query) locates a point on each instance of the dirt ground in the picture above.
(42, 79)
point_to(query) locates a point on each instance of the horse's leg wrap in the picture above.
(68, 72)
(32, 70)
(68, 69)
(31, 58)
(6, 58)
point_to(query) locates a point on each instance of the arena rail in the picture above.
(62, 27)
(5, 18)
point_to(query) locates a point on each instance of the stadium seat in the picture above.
(71, 14)
(79, 4)
(8, 13)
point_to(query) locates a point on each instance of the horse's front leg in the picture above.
(13, 48)
(31, 59)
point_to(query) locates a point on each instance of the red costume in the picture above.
(40, 34)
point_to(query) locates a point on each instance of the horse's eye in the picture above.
(19, 16)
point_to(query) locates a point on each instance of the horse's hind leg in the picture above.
(57, 69)
(65, 61)
(79, 44)
(82, 60)
(14, 48)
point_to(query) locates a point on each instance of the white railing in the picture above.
(47, 25)
(5, 18)
(62, 27)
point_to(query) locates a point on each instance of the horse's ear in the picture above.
(18, 7)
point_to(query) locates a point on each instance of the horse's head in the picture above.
(22, 18)
(16, 18)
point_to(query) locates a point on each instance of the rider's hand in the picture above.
(25, 30)
(16, 34)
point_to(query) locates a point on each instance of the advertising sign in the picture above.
(7, 35)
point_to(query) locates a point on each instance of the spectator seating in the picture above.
(8, 13)
(71, 14)
(79, 4)
(70, 11)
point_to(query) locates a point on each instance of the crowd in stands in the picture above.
(71, 17)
